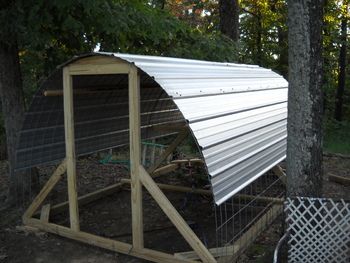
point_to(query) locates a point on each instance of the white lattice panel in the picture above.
(319, 230)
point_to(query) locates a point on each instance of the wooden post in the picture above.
(135, 158)
(70, 149)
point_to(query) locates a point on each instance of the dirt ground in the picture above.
(110, 216)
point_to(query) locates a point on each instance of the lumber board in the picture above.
(195, 161)
(176, 127)
(180, 137)
(165, 169)
(91, 69)
(106, 243)
(277, 170)
(88, 198)
(135, 158)
(70, 148)
(216, 252)
(338, 179)
(50, 184)
(184, 189)
(59, 92)
(45, 213)
(175, 217)
(264, 199)
(176, 188)
(241, 244)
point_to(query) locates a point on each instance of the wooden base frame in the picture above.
(140, 178)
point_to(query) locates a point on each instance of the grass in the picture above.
(337, 137)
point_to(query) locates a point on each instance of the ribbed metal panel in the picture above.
(237, 114)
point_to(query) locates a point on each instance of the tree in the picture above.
(11, 93)
(264, 33)
(338, 112)
(36, 36)
(304, 143)
(229, 18)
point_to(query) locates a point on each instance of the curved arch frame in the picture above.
(139, 176)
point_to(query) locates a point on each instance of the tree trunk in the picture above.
(12, 98)
(229, 18)
(338, 113)
(283, 52)
(259, 53)
(304, 143)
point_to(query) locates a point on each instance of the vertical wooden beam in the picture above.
(70, 149)
(135, 157)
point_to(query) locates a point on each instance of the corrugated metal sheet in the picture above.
(237, 114)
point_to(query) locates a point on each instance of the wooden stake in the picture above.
(70, 149)
(175, 217)
(45, 213)
(135, 157)
(181, 136)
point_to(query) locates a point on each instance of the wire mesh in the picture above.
(101, 117)
(238, 219)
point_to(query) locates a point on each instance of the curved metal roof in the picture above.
(237, 114)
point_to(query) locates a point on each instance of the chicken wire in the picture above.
(236, 217)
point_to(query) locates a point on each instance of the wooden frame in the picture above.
(139, 176)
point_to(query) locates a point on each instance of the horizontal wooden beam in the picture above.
(165, 169)
(184, 189)
(265, 199)
(91, 69)
(195, 161)
(59, 92)
(88, 198)
(177, 188)
(339, 179)
(216, 252)
(106, 243)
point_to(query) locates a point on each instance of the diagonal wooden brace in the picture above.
(50, 184)
(175, 217)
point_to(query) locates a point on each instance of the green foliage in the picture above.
(51, 32)
(156, 32)
(333, 13)
(264, 33)
(336, 139)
